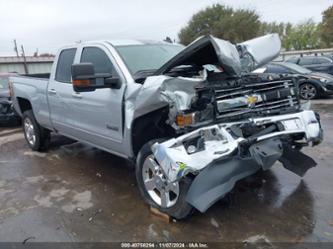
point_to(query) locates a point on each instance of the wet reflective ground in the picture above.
(78, 193)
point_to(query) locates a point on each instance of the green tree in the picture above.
(326, 27)
(283, 29)
(304, 35)
(222, 22)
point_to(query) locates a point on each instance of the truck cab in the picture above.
(95, 117)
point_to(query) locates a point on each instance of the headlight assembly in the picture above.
(194, 119)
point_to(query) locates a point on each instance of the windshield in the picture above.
(148, 56)
(296, 68)
(3, 83)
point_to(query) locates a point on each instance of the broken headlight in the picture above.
(194, 119)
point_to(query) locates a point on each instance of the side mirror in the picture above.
(84, 78)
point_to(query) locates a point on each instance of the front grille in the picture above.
(256, 99)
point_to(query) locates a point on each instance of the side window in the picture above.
(99, 59)
(277, 69)
(321, 60)
(293, 60)
(65, 61)
(306, 61)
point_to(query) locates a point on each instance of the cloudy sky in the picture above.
(48, 24)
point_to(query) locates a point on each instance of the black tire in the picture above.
(308, 91)
(181, 209)
(42, 135)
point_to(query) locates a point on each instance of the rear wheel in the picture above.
(37, 137)
(308, 91)
(165, 196)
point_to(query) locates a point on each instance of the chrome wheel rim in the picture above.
(308, 91)
(162, 192)
(29, 131)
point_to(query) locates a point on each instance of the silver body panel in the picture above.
(219, 143)
(104, 118)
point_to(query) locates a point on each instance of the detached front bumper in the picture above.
(213, 154)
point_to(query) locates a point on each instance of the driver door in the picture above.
(98, 114)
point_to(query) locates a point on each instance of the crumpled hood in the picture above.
(259, 51)
(234, 59)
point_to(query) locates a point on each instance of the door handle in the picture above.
(52, 91)
(77, 95)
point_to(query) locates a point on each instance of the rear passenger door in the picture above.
(59, 93)
(99, 113)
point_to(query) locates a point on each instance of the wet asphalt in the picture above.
(78, 193)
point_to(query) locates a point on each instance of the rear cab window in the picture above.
(65, 61)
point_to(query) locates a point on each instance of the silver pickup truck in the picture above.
(194, 119)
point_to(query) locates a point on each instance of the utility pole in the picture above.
(15, 48)
(24, 60)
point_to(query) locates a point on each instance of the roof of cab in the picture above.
(126, 42)
(121, 42)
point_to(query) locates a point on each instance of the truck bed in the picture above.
(35, 90)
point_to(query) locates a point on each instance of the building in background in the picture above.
(26, 65)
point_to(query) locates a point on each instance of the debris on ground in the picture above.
(159, 214)
(34, 153)
(214, 223)
(94, 214)
(98, 175)
(257, 239)
(27, 239)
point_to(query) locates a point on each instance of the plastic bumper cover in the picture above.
(219, 167)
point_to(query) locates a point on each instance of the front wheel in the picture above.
(167, 197)
(37, 137)
(308, 91)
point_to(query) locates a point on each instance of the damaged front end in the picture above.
(229, 123)
(220, 155)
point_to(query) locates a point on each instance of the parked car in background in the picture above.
(313, 84)
(329, 56)
(8, 116)
(314, 63)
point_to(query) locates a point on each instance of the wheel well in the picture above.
(311, 83)
(308, 82)
(150, 126)
(24, 104)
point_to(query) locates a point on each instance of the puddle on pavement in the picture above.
(91, 195)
